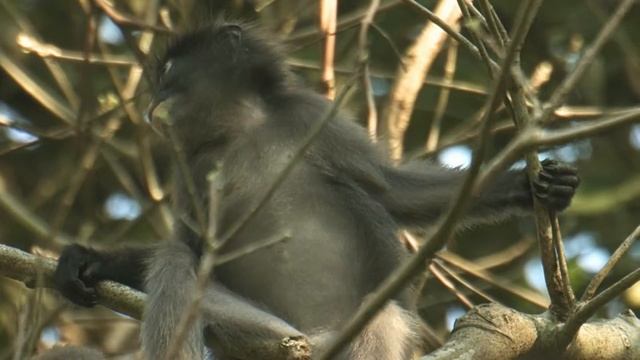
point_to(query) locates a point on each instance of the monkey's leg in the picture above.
(393, 334)
(240, 330)
(170, 285)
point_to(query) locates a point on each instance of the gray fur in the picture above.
(171, 281)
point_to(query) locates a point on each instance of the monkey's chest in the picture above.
(312, 279)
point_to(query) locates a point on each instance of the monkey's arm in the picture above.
(239, 328)
(419, 197)
(80, 269)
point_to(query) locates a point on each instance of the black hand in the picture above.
(556, 184)
(75, 274)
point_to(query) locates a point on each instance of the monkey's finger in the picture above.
(568, 180)
(83, 295)
(540, 187)
(558, 168)
(557, 197)
(89, 275)
(561, 190)
(558, 204)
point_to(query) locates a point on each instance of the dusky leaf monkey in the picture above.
(235, 107)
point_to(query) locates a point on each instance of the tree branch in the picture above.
(492, 331)
(33, 270)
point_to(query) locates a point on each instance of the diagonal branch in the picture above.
(417, 60)
(594, 284)
(401, 277)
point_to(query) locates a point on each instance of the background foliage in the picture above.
(64, 178)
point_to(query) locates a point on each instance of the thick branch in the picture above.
(493, 332)
(409, 78)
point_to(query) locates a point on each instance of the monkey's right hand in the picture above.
(76, 274)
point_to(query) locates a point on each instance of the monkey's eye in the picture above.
(167, 67)
(167, 79)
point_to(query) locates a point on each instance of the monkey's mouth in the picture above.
(158, 114)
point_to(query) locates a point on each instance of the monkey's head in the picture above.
(208, 74)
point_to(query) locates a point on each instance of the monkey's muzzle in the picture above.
(158, 114)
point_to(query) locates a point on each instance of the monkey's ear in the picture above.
(233, 34)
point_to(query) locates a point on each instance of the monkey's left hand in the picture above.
(74, 275)
(556, 184)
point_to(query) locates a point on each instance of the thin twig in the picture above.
(87, 162)
(462, 86)
(254, 246)
(346, 21)
(143, 46)
(596, 281)
(185, 172)
(443, 98)
(444, 26)
(494, 280)
(494, 24)
(569, 83)
(563, 267)
(123, 176)
(40, 92)
(477, 37)
(328, 15)
(567, 332)
(30, 220)
(594, 127)
(86, 89)
(476, 290)
(58, 73)
(129, 21)
(152, 183)
(450, 285)
(363, 60)
(418, 59)
(48, 51)
(389, 41)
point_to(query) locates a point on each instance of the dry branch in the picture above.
(492, 331)
(417, 62)
(328, 24)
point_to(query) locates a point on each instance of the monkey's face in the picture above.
(206, 74)
(190, 76)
